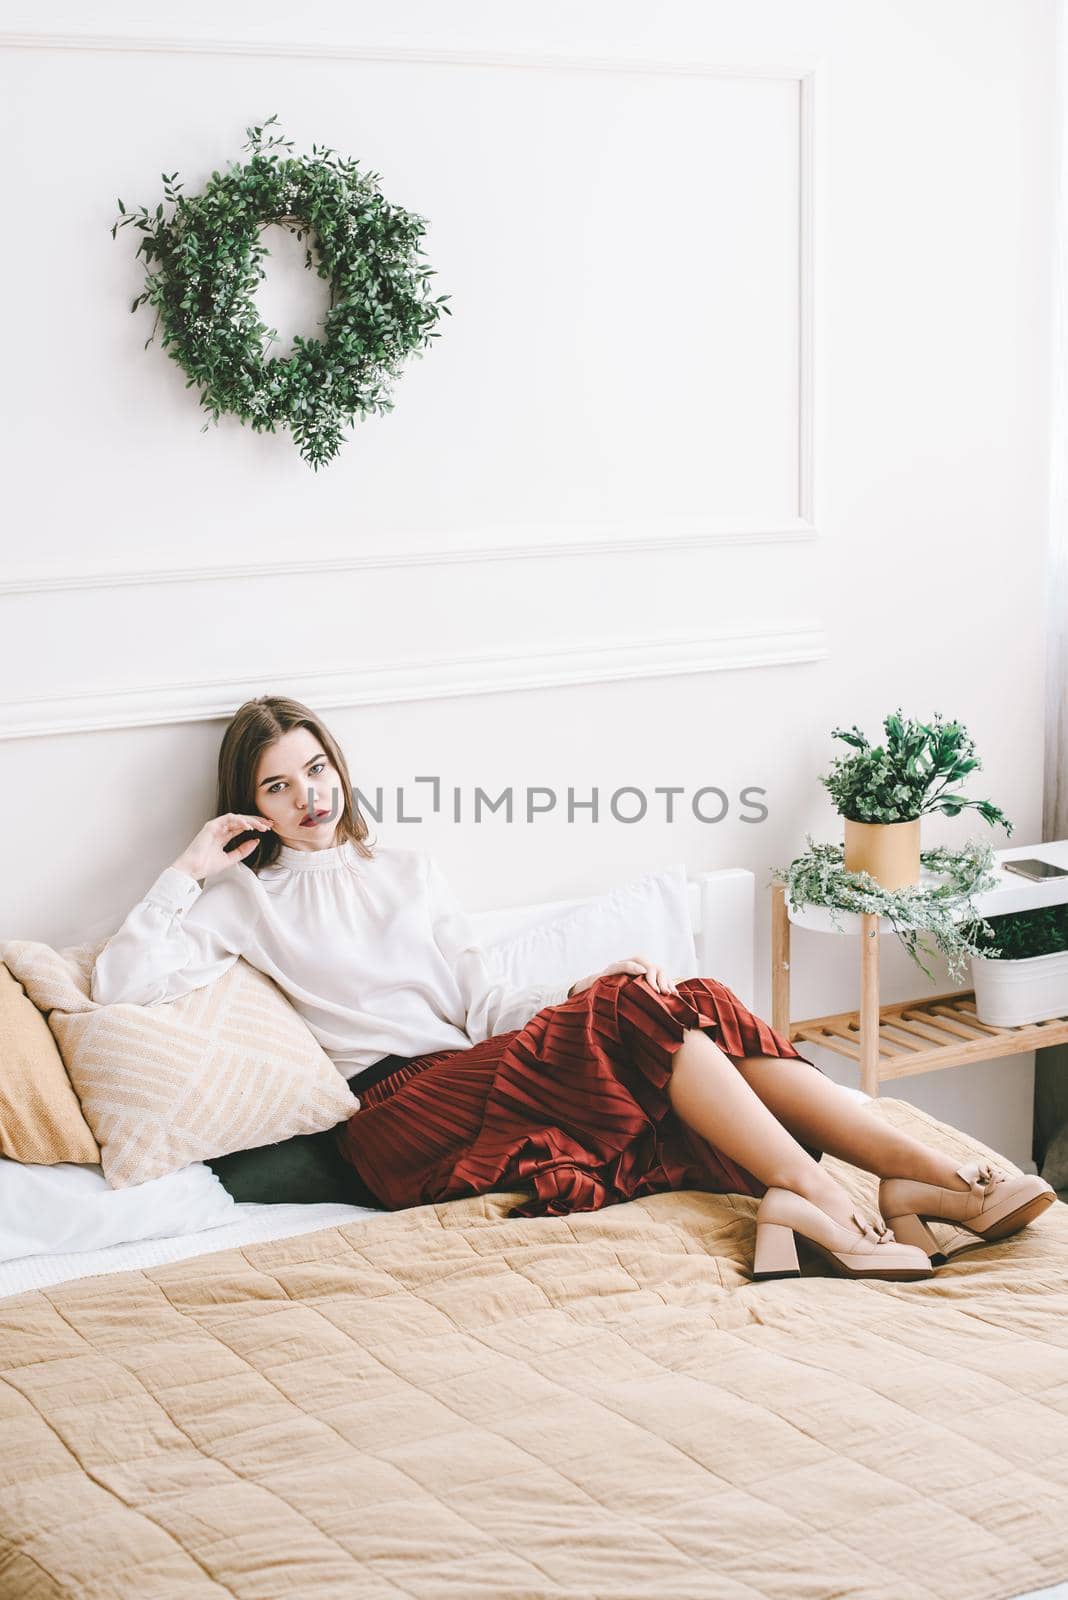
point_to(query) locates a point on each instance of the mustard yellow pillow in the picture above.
(41, 1119)
(231, 1066)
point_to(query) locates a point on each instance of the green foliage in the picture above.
(819, 878)
(205, 259)
(909, 776)
(1021, 934)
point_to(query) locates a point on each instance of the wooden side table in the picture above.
(910, 1036)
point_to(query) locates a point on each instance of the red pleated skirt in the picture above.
(573, 1106)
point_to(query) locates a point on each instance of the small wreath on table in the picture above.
(819, 878)
(208, 262)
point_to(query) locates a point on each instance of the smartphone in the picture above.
(1031, 867)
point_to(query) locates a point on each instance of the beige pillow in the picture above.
(40, 1118)
(229, 1067)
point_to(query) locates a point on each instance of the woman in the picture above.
(626, 1083)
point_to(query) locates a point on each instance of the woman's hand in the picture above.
(636, 964)
(205, 854)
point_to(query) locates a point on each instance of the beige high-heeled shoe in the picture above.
(864, 1251)
(994, 1205)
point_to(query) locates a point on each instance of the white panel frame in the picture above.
(540, 541)
(791, 640)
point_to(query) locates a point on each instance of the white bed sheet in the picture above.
(250, 1224)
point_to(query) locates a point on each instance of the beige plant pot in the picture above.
(890, 851)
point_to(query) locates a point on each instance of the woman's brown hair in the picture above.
(254, 726)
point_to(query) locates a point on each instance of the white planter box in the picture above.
(1011, 993)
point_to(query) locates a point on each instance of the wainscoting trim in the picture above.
(95, 709)
(538, 545)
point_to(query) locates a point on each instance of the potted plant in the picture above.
(1022, 974)
(883, 791)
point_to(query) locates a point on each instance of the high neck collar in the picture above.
(316, 860)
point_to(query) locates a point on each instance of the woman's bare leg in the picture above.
(819, 1112)
(709, 1092)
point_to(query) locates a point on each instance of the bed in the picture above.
(331, 1401)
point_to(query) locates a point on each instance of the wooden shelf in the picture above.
(924, 1035)
(909, 1036)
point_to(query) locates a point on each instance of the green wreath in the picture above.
(208, 262)
(818, 877)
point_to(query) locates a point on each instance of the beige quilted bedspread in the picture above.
(445, 1403)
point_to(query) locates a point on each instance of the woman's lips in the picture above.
(313, 822)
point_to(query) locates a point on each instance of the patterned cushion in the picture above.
(231, 1066)
(41, 1121)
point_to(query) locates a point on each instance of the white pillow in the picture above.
(647, 917)
(55, 1209)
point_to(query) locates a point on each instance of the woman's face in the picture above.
(287, 770)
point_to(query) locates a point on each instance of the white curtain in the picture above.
(1055, 792)
(1051, 1066)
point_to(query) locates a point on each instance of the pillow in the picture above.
(40, 1118)
(228, 1067)
(50, 1210)
(649, 917)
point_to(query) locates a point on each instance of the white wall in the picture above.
(739, 430)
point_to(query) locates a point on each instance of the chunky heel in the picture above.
(911, 1229)
(995, 1204)
(775, 1254)
(859, 1250)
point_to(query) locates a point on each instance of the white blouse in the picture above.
(378, 956)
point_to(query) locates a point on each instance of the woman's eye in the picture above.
(318, 767)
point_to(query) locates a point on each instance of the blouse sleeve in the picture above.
(491, 1007)
(177, 939)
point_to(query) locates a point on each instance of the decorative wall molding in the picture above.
(533, 544)
(115, 704)
(583, 539)
(786, 68)
(104, 707)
